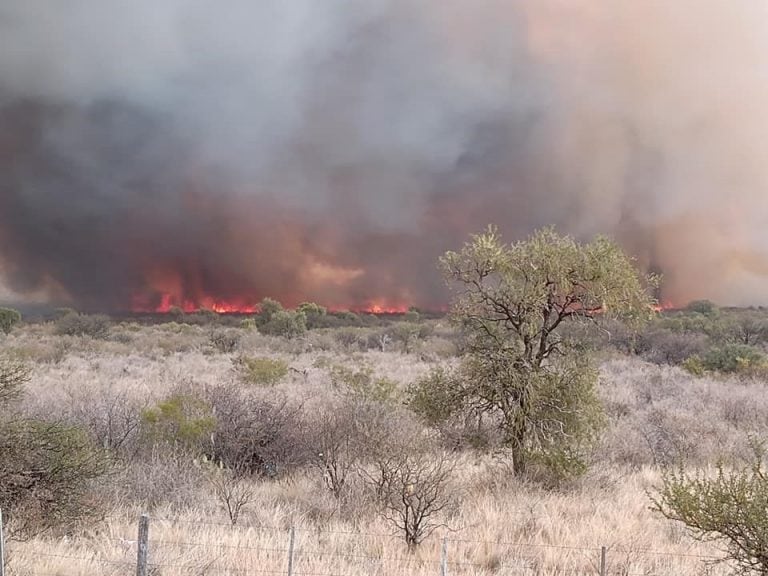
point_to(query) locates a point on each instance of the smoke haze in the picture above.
(182, 151)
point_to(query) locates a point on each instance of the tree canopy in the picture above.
(513, 301)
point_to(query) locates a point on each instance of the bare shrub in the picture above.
(417, 493)
(74, 324)
(665, 346)
(406, 475)
(111, 415)
(224, 341)
(335, 445)
(348, 338)
(13, 376)
(256, 435)
(232, 489)
(162, 477)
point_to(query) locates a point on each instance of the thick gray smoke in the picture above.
(332, 150)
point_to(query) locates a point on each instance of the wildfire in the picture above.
(165, 302)
(168, 302)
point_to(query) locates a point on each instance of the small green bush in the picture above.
(262, 371)
(181, 420)
(728, 359)
(8, 319)
(361, 382)
(435, 397)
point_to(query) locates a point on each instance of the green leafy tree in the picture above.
(512, 300)
(8, 319)
(285, 323)
(267, 309)
(703, 307)
(314, 314)
(729, 507)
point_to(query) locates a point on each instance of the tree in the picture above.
(267, 309)
(285, 323)
(729, 506)
(8, 319)
(314, 314)
(513, 301)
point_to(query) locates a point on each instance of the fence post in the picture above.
(603, 567)
(291, 543)
(2, 545)
(444, 557)
(143, 546)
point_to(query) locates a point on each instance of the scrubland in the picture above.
(155, 396)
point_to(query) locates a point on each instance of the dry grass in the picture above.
(502, 526)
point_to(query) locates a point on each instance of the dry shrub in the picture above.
(255, 434)
(111, 415)
(664, 346)
(225, 341)
(163, 477)
(74, 324)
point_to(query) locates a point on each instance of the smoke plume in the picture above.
(183, 152)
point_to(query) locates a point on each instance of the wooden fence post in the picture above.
(2, 545)
(291, 543)
(143, 546)
(444, 557)
(603, 567)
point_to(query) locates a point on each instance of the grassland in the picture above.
(500, 524)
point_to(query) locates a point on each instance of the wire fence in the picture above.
(173, 547)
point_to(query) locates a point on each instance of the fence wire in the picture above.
(221, 549)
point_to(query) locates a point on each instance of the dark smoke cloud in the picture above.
(332, 150)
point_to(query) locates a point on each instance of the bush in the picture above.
(728, 359)
(314, 314)
(285, 323)
(703, 307)
(434, 397)
(362, 383)
(180, 421)
(261, 371)
(254, 435)
(74, 324)
(47, 470)
(13, 376)
(665, 346)
(225, 341)
(8, 319)
(729, 507)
